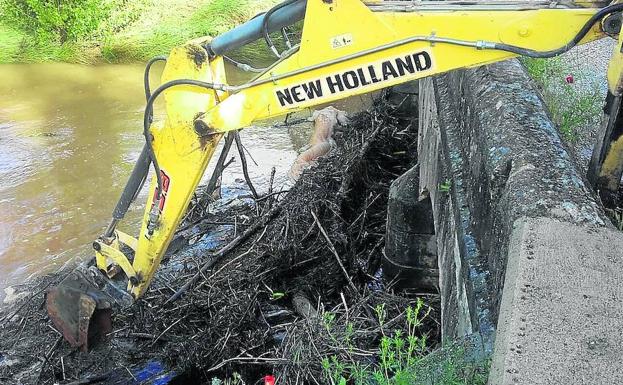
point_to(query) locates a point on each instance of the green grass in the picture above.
(136, 31)
(16, 46)
(571, 108)
(10, 41)
(210, 19)
(543, 70)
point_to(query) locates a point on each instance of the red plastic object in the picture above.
(569, 79)
(269, 380)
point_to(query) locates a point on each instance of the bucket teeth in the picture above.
(81, 306)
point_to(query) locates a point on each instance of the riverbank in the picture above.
(134, 32)
(574, 87)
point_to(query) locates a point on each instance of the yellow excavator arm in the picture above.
(347, 48)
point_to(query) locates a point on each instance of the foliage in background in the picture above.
(157, 37)
(55, 21)
(571, 107)
(9, 39)
(117, 31)
(402, 358)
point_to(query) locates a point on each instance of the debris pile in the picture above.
(296, 284)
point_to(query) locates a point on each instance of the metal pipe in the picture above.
(252, 29)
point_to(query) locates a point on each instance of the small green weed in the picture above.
(236, 379)
(445, 186)
(543, 70)
(576, 110)
(402, 357)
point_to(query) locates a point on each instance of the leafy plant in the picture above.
(445, 186)
(576, 110)
(236, 379)
(402, 357)
(55, 20)
(276, 295)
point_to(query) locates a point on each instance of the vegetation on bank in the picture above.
(114, 31)
(572, 108)
(403, 357)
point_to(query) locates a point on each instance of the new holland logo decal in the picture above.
(400, 67)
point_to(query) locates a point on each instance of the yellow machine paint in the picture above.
(606, 165)
(347, 48)
(370, 30)
(183, 156)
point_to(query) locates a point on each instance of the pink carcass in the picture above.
(321, 141)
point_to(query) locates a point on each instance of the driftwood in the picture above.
(243, 161)
(222, 252)
(220, 165)
(262, 303)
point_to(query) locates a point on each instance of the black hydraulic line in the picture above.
(141, 168)
(149, 111)
(258, 15)
(555, 52)
(146, 74)
(267, 16)
(151, 117)
(252, 29)
(137, 178)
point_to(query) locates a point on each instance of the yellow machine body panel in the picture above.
(364, 51)
(346, 50)
(181, 153)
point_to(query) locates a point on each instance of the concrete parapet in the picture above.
(490, 156)
(561, 315)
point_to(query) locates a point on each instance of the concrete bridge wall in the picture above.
(504, 189)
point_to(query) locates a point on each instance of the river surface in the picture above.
(69, 136)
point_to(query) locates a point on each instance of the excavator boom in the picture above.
(347, 48)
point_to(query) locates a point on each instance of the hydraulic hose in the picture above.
(252, 29)
(147, 96)
(267, 16)
(146, 74)
(555, 52)
(149, 112)
(243, 66)
(141, 168)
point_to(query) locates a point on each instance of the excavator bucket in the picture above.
(81, 306)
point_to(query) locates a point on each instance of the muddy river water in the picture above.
(69, 136)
